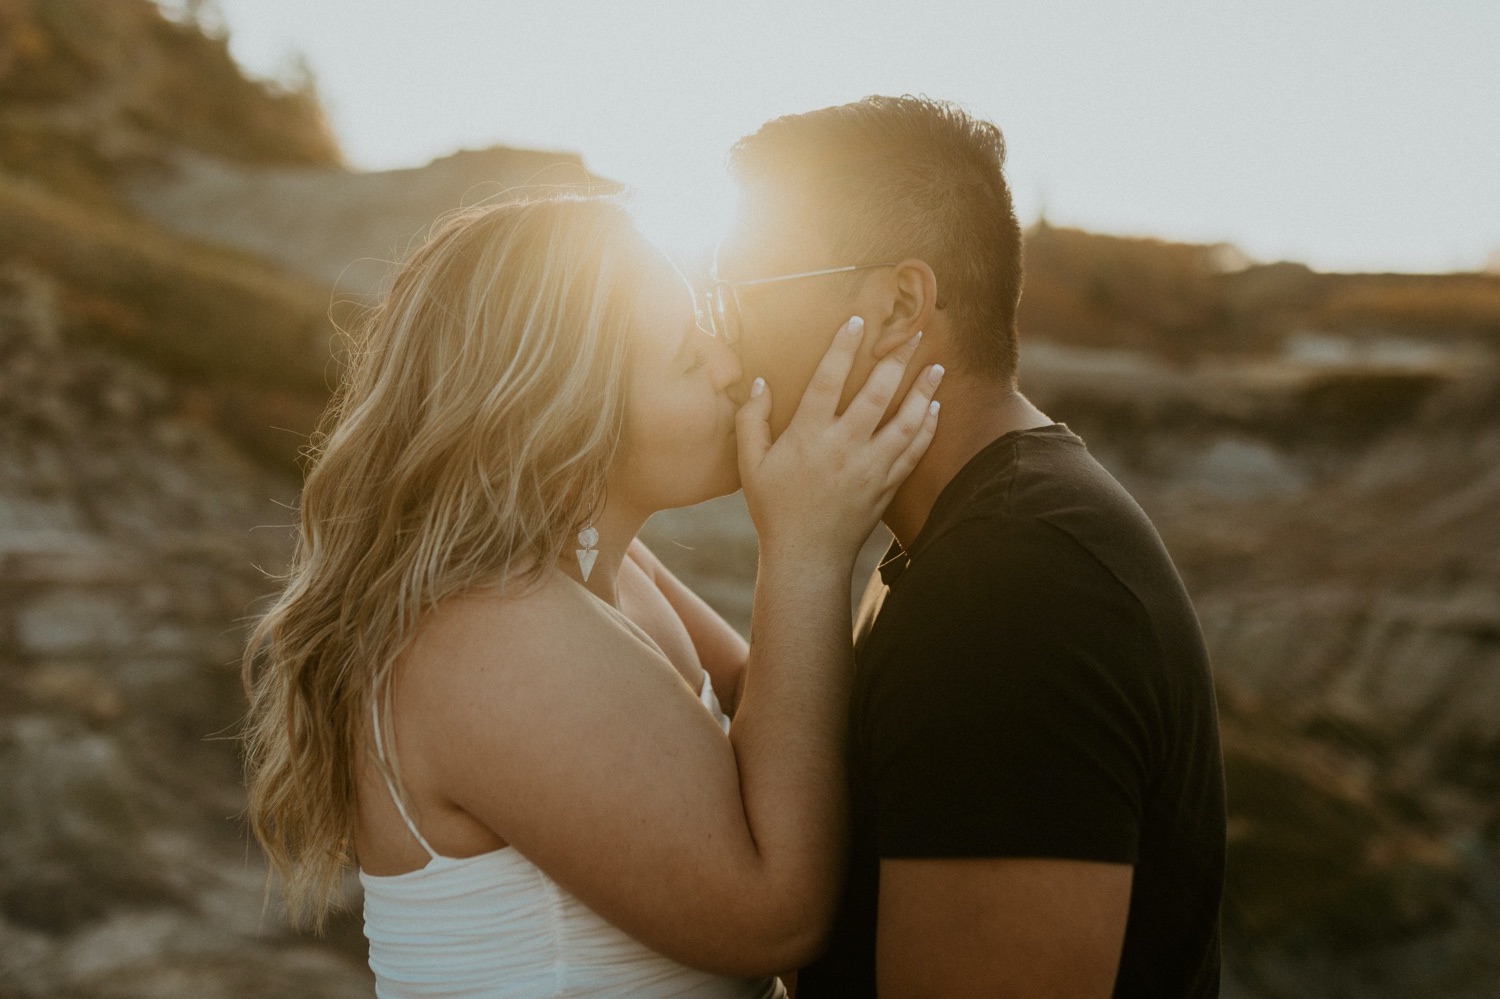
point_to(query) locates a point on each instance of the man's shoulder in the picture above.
(1071, 510)
(1000, 588)
(1033, 486)
(992, 586)
(1008, 554)
(1037, 540)
(1057, 479)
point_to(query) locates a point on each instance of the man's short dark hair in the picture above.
(892, 177)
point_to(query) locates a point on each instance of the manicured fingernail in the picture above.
(934, 406)
(935, 373)
(855, 326)
(757, 387)
(916, 339)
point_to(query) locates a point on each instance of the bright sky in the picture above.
(1350, 134)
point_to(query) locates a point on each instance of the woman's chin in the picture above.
(731, 484)
(726, 477)
(723, 483)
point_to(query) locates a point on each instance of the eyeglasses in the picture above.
(719, 303)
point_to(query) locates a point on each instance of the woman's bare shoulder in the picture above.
(521, 598)
(493, 627)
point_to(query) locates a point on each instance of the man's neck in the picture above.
(975, 413)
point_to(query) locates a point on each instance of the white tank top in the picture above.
(495, 925)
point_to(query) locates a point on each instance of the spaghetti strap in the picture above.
(390, 784)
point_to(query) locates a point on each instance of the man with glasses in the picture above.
(1036, 786)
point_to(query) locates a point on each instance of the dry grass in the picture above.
(1462, 304)
(251, 342)
(90, 86)
(1177, 300)
(1108, 291)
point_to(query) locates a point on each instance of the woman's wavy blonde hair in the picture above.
(468, 443)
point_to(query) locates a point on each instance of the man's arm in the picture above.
(1013, 928)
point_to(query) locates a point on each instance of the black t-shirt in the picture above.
(1032, 682)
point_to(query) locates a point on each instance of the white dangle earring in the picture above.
(586, 552)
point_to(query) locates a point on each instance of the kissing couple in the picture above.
(560, 773)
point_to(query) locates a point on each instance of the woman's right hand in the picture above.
(820, 488)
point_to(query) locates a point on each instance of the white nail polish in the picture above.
(935, 373)
(934, 406)
(757, 387)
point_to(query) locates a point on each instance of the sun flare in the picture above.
(684, 215)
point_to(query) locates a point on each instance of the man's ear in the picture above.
(913, 300)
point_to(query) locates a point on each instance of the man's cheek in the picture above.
(783, 408)
(752, 360)
(789, 381)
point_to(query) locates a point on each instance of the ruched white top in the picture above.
(495, 925)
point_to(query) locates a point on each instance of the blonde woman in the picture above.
(479, 687)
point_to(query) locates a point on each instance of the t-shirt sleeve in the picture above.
(1010, 714)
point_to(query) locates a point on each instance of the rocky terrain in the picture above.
(1321, 452)
(1338, 523)
(339, 228)
(132, 536)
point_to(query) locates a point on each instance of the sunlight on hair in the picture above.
(685, 215)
